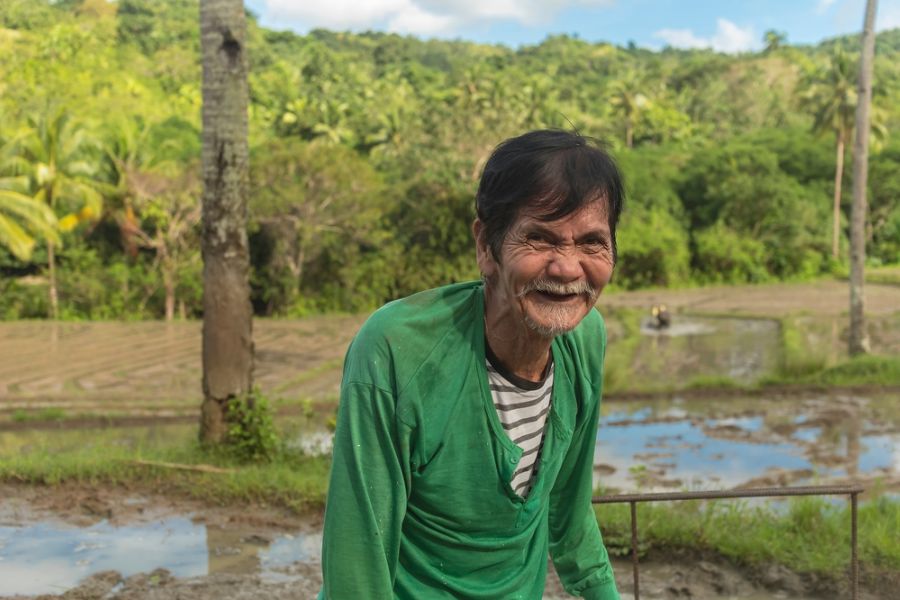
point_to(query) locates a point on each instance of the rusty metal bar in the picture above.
(812, 490)
(854, 558)
(634, 552)
(771, 492)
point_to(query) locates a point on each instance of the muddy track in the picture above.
(665, 574)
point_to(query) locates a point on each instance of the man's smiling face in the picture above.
(550, 272)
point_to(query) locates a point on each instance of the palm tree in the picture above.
(831, 93)
(858, 340)
(774, 40)
(227, 314)
(47, 162)
(22, 221)
(628, 99)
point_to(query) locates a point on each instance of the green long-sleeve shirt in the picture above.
(419, 505)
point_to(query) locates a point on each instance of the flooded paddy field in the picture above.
(115, 542)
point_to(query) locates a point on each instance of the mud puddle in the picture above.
(146, 548)
(49, 557)
(709, 444)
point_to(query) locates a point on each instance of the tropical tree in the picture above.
(832, 95)
(50, 164)
(858, 341)
(23, 221)
(168, 226)
(774, 40)
(227, 323)
(628, 100)
(309, 198)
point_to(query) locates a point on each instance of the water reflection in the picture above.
(753, 442)
(46, 558)
(742, 349)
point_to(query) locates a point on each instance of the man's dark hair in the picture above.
(551, 172)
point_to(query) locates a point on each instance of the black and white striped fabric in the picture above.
(522, 406)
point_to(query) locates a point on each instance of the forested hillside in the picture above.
(366, 150)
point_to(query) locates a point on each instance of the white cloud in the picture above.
(727, 38)
(681, 38)
(336, 14)
(416, 20)
(428, 17)
(731, 38)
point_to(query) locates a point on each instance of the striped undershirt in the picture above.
(522, 406)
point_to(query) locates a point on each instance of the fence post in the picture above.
(634, 551)
(854, 558)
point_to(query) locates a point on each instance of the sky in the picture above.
(724, 25)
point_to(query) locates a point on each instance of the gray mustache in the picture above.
(554, 287)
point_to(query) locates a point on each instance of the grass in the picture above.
(864, 370)
(860, 370)
(810, 536)
(45, 414)
(290, 480)
(798, 359)
(886, 274)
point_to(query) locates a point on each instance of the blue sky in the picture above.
(724, 25)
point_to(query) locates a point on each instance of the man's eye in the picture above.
(537, 239)
(594, 245)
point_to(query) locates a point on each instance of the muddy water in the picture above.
(202, 562)
(713, 444)
(50, 557)
(742, 349)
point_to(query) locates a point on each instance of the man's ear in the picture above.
(486, 263)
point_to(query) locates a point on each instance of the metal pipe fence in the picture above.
(814, 490)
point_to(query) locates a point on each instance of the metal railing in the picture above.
(816, 490)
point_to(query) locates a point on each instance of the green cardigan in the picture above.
(419, 505)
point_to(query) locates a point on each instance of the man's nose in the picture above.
(565, 265)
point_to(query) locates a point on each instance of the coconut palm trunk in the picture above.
(51, 286)
(227, 324)
(838, 182)
(858, 340)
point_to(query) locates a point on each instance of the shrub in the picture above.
(251, 433)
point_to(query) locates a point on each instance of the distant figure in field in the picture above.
(662, 318)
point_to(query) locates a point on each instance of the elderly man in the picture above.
(468, 416)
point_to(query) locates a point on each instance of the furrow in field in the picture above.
(118, 359)
(103, 345)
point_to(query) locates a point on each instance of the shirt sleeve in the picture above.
(576, 546)
(367, 495)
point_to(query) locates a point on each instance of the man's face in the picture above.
(551, 272)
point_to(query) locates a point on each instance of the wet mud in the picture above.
(235, 554)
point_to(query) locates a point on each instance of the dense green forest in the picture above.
(366, 150)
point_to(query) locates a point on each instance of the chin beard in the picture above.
(557, 320)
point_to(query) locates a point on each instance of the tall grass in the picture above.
(807, 535)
